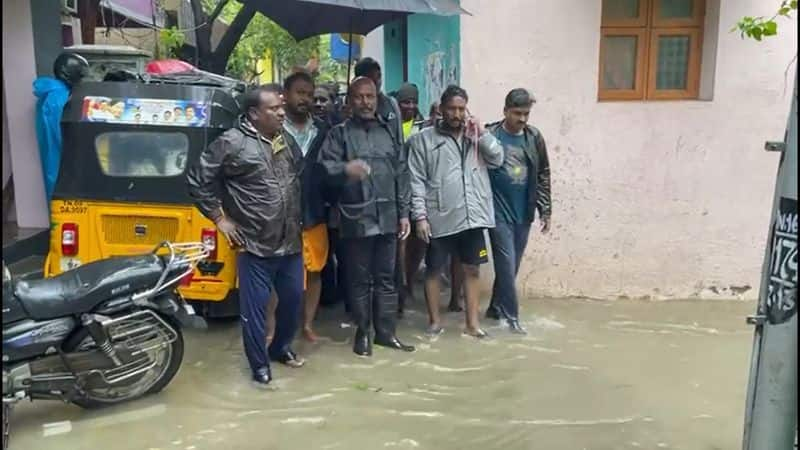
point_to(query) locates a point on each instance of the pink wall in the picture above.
(658, 200)
(19, 71)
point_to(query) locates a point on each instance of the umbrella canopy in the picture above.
(306, 18)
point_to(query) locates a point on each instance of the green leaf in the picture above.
(770, 28)
(784, 11)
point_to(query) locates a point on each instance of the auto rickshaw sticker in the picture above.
(145, 111)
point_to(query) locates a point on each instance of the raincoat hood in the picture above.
(45, 85)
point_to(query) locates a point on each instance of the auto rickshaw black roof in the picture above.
(81, 176)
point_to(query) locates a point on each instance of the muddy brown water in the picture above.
(590, 375)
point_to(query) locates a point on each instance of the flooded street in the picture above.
(590, 375)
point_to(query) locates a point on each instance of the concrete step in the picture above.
(27, 268)
(21, 243)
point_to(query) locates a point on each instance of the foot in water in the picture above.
(291, 359)
(516, 328)
(309, 335)
(434, 330)
(476, 333)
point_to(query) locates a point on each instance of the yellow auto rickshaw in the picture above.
(121, 188)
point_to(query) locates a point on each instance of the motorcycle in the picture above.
(100, 334)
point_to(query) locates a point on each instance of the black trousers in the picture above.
(370, 276)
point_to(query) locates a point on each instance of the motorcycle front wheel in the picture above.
(163, 363)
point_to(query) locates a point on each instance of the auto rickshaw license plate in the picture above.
(69, 263)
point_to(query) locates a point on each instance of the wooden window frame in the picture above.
(642, 48)
(648, 28)
(640, 21)
(692, 71)
(698, 16)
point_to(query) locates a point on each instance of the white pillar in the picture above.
(373, 45)
(19, 105)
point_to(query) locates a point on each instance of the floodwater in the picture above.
(590, 375)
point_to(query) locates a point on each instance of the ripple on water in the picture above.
(534, 348)
(421, 414)
(313, 398)
(545, 323)
(438, 368)
(406, 443)
(430, 392)
(378, 363)
(303, 420)
(663, 327)
(569, 367)
(567, 422)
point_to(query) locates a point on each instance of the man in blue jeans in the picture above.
(248, 182)
(520, 188)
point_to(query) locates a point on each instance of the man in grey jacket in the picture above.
(451, 199)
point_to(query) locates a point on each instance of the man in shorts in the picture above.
(307, 134)
(451, 200)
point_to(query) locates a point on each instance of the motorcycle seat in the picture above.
(82, 289)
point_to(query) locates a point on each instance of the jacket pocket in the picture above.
(433, 199)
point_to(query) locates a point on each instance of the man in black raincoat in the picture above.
(364, 158)
(248, 182)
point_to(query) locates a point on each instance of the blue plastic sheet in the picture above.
(52, 95)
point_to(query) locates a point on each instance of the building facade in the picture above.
(35, 32)
(655, 116)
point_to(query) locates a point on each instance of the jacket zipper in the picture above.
(280, 183)
(463, 157)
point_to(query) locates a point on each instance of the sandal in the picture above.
(478, 334)
(434, 330)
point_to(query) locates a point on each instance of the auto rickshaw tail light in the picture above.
(208, 236)
(69, 239)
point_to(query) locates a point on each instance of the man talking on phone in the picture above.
(451, 200)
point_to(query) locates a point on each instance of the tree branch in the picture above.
(202, 34)
(231, 37)
(217, 11)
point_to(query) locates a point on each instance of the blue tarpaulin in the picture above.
(339, 47)
(52, 95)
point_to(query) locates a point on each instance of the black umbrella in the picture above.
(306, 18)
